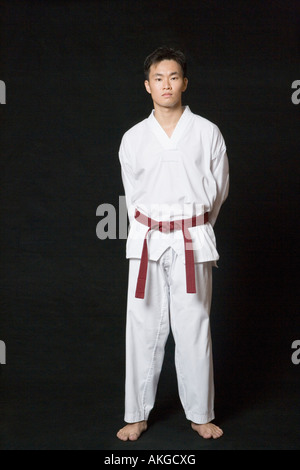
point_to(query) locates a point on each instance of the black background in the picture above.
(74, 77)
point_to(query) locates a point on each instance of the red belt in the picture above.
(165, 226)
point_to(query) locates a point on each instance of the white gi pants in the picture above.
(166, 304)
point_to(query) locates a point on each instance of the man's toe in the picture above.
(121, 435)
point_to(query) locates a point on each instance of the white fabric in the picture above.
(166, 305)
(174, 178)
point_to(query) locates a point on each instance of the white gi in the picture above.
(169, 179)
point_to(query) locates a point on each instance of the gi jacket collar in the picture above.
(167, 142)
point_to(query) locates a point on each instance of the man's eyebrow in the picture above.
(160, 74)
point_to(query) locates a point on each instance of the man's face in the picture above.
(166, 84)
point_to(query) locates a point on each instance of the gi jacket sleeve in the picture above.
(127, 175)
(220, 171)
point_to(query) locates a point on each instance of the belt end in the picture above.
(139, 295)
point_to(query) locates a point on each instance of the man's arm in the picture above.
(220, 171)
(127, 175)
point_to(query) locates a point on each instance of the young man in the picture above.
(175, 175)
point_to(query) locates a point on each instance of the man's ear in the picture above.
(185, 84)
(147, 86)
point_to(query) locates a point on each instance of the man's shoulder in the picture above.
(205, 123)
(136, 129)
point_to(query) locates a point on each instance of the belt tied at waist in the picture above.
(166, 227)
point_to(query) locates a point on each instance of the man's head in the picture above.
(165, 71)
(165, 53)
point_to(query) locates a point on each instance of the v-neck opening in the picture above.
(170, 137)
(169, 142)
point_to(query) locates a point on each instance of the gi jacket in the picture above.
(177, 177)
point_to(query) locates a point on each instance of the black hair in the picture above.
(164, 53)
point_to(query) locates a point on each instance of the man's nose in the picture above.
(167, 84)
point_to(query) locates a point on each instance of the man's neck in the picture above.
(168, 117)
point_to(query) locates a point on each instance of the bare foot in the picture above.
(208, 431)
(132, 432)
